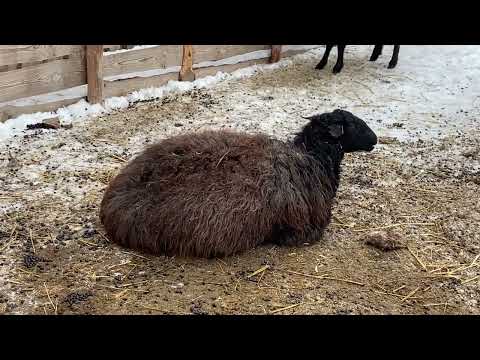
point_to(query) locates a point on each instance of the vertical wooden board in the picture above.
(276, 53)
(17, 54)
(42, 78)
(95, 73)
(186, 72)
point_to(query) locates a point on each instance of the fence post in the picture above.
(276, 53)
(186, 72)
(94, 55)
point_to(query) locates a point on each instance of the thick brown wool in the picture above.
(218, 193)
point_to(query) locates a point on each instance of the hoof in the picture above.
(392, 65)
(337, 70)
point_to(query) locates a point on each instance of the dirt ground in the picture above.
(422, 194)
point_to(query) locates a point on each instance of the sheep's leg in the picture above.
(339, 65)
(377, 51)
(288, 236)
(313, 235)
(324, 60)
(394, 60)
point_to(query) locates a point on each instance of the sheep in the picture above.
(218, 193)
(377, 51)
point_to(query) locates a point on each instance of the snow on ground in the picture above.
(430, 98)
(436, 80)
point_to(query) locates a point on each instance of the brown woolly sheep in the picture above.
(217, 193)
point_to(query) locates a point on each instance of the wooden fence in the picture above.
(28, 72)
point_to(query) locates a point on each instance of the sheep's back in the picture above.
(215, 194)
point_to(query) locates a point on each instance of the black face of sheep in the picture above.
(217, 193)
(344, 128)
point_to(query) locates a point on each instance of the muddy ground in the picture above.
(422, 195)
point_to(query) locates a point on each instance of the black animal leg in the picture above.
(324, 60)
(290, 237)
(377, 51)
(394, 60)
(339, 65)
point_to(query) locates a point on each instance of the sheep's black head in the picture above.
(341, 127)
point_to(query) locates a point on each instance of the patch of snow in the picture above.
(17, 125)
(116, 103)
(71, 93)
(79, 111)
(7, 208)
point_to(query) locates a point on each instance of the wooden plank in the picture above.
(212, 70)
(218, 52)
(123, 87)
(17, 54)
(95, 73)
(186, 72)
(158, 57)
(7, 67)
(42, 78)
(10, 111)
(111, 47)
(24, 65)
(276, 53)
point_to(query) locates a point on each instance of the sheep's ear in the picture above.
(336, 130)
